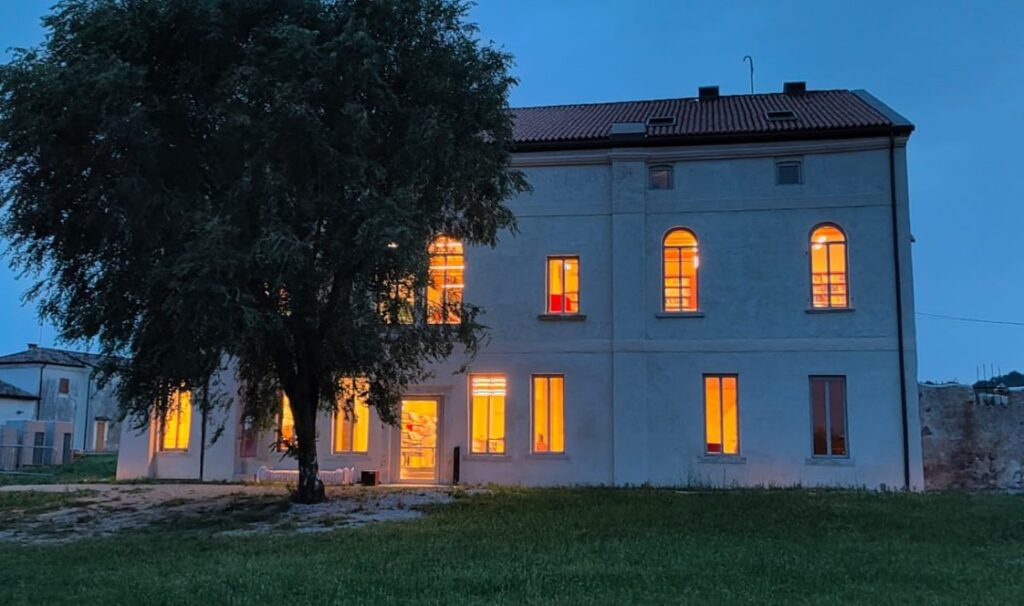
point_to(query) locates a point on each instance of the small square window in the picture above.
(64, 386)
(788, 173)
(660, 177)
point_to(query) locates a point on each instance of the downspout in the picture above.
(85, 419)
(202, 431)
(39, 402)
(899, 310)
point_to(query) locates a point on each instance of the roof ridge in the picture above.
(627, 101)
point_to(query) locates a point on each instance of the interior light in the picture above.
(392, 245)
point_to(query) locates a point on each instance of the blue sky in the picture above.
(955, 69)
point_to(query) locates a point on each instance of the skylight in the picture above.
(780, 114)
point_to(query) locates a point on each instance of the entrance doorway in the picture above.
(417, 460)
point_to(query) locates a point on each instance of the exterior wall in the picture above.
(18, 443)
(634, 376)
(16, 409)
(84, 403)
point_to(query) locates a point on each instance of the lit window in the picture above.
(352, 427)
(828, 416)
(488, 414)
(285, 425)
(548, 413)
(64, 386)
(721, 415)
(177, 421)
(399, 306)
(680, 264)
(660, 177)
(444, 291)
(563, 285)
(788, 173)
(829, 288)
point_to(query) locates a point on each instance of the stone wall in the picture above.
(971, 442)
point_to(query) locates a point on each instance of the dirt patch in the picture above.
(106, 509)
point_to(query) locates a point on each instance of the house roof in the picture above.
(817, 114)
(9, 391)
(49, 355)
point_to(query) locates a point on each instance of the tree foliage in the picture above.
(201, 180)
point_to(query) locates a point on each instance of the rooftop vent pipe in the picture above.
(707, 93)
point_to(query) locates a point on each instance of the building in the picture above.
(704, 291)
(61, 386)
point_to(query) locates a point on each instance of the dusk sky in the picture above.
(956, 70)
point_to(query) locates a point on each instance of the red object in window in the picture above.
(555, 304)
(714, 448)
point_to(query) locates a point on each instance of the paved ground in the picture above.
(92, 510)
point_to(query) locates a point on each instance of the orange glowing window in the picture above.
(285, 424)
(487, 414)
(828, 416)
(352, 418)
(721, 415)
(563, 285)
(680, 264)
(399, 303)
(177, 422)
(447, 273)
(829, 284)
(548, 414)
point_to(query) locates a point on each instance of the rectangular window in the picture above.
(248, 440)
(563, 285)
(548, 414)
(64, 387)
(352, 427)
(444, 291)
(177, 422)
(285, 425)
(488, 414)
(660, 177)
(400, 303)
(828, 416)
(789, 172)
(721, 415)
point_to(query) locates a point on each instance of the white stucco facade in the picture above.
(633, 375)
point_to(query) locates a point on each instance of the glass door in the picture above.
(418, 449)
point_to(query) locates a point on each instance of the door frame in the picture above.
(396, 467)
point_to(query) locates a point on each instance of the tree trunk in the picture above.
(310, 489)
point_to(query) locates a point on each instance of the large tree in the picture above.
(259, 181)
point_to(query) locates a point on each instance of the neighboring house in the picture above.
(16, 404)
(704, 291)
(63, 387)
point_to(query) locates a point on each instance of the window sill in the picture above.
(494, 458)
(358, 456)
(828, 310)
(173, 453)
(561, 317)
(551, 456)
(830, 461)
(679, 314)
(725, 459)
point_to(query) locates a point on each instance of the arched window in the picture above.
(829, 284)
(679, 271)
(444, 291)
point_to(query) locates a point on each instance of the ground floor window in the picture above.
(548, 414)
(487, 414)
(721, 415)
(285, 424)
(352, 425)
(177, 421)
(828, 416)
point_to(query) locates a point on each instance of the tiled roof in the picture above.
(736, 115)
(48, 355)
(9, 391)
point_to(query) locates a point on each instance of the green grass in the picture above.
(569, 546)
(91, 468)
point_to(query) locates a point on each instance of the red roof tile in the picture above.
(816, 112)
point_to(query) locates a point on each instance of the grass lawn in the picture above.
(568, 546)
(91, 468)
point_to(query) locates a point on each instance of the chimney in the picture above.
(32, 346)
(794, 88)
(707, 93)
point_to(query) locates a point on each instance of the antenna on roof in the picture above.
(751, 59)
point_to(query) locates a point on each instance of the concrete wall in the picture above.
(633, 375)
(973, 443)
(16, 409)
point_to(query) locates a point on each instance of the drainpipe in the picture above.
(85, 419)
(899, 310)
(39, 402)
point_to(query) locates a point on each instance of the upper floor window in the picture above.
(679, 273)
(177, 421)
(828, 416)
(444, 290)
(659, 177)
(789, 172)
(285, 424)
(352, 427)
(548, 414)
(487, 414)
(721, 415)
(829, 284)
(563, 285)
(64, 386)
